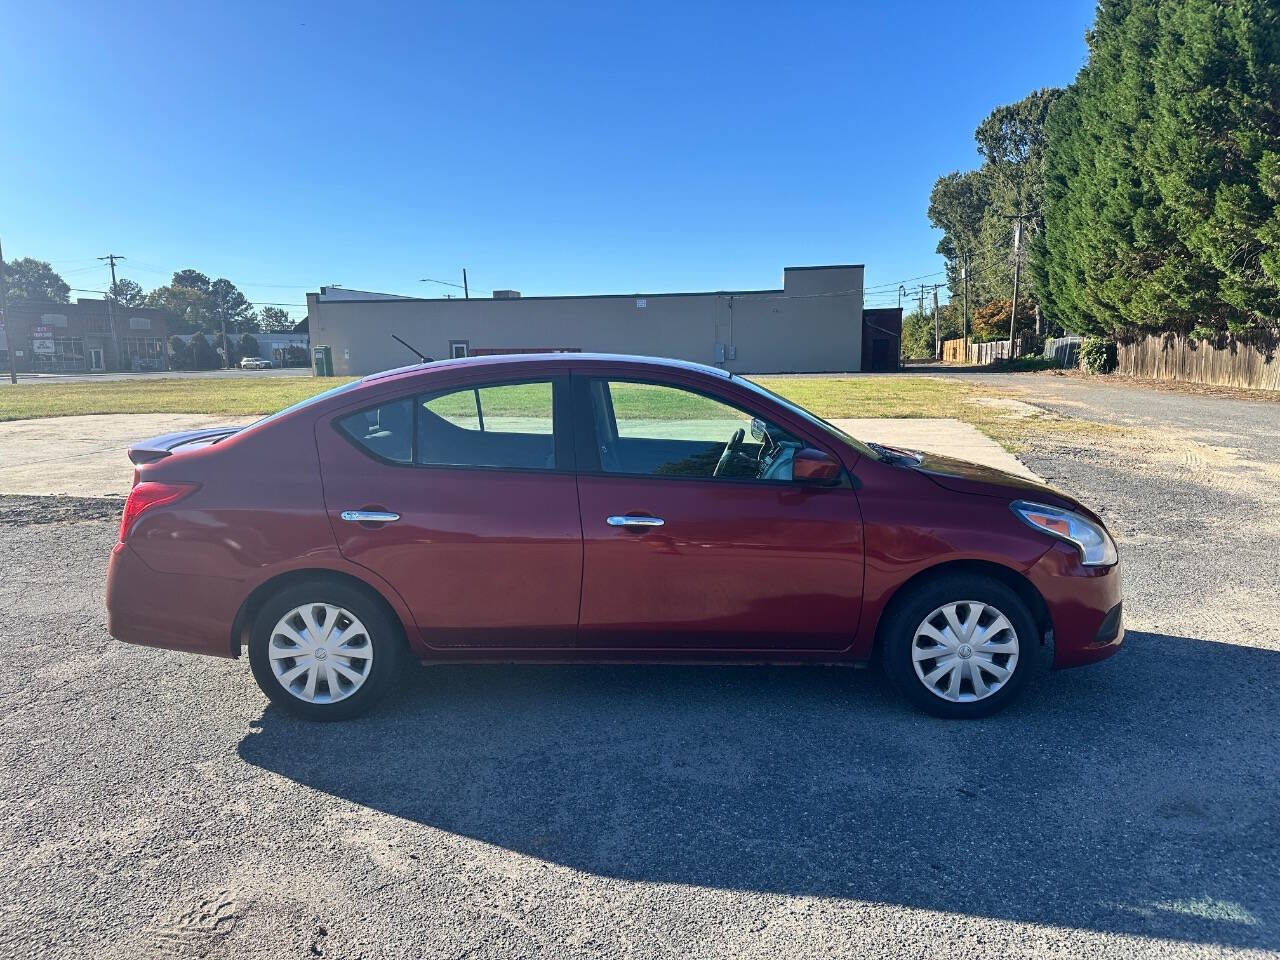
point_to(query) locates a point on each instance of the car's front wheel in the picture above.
(324, 650)
(961, 645)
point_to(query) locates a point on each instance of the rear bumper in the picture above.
(1084, 604)
(173, 611)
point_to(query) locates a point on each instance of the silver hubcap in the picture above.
(965, 651)
(320, 653)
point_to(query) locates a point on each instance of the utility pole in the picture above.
(1017, 268)
(111, 258)
(466, 292)
(937, 336)
(9, 340)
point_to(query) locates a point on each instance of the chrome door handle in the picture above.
(635, 521)
(369, 516)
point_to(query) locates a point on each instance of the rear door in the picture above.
(687, 549)
(464, 500)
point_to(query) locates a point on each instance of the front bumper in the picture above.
(1085, 606)
(173, 611)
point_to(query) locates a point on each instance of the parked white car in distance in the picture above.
(255, 363)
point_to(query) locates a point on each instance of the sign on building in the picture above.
(42, 340)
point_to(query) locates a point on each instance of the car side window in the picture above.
(503, 425)
(386, 431)
(660, 430)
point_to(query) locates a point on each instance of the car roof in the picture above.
(515, 360)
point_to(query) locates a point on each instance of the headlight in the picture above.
(1096, 547)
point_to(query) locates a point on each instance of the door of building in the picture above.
(882, 354)
(96, 361)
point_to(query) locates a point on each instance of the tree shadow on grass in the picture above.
(1133, 797)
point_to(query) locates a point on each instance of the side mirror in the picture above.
(814, 466)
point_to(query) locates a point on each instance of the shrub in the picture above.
(1098, 354)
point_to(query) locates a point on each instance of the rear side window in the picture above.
(385, 431)
(506, 425)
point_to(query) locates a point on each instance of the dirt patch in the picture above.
(1170, 386)
(1010, 407)
(24, 511)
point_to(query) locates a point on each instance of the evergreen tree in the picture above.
(1162, 173)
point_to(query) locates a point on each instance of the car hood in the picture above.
(962, 476)
(157, 448)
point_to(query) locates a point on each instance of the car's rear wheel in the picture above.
(961, 645)
(324, 650)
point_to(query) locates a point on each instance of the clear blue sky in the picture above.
(552, 148)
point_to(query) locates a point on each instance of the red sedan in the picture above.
(597, 508)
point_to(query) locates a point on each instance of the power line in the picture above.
(923, 276)
(252, 303)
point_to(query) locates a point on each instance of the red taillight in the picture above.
(150, 494)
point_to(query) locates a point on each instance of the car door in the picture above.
(464, 500)
(683, 553)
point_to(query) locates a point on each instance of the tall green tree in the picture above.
(129, 293)
(1215, 153)
(227, 303)
(957, 206)
(975, 209)
(187, 297)
(1162, 173)
(917, 331)
(35, 280)
(274, 320)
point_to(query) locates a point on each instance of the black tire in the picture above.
(909, 612)
(384, 637)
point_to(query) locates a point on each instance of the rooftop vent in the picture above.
(506, 294)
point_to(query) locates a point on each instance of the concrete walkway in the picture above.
(949, 438)
(85, 456)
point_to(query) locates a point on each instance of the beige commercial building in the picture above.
(814, 322)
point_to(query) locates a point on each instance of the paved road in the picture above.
(178, 374)
(1251, 425)
(153, 805)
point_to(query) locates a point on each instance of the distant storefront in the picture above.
(87, 336)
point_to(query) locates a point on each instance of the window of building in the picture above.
(143, 353)
(657, 430)
(67, 356)
(459, 348)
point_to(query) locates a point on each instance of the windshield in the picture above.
(811, 418)
(316, 398)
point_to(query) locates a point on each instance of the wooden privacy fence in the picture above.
(980, 354)
(1173, 357)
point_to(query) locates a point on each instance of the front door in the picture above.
(695, 535)
(95, 359)
(465, 502)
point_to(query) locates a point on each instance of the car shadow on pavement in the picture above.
(1134, 797)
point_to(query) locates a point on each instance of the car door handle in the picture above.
(369, 516)
(635, 521)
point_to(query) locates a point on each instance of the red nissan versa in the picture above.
(571, 507)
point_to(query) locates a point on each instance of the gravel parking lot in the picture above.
(153, 805)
